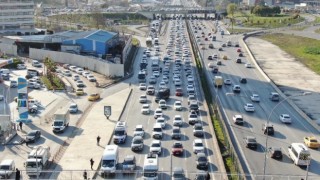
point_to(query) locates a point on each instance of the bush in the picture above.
(55, 83)
(46, 82)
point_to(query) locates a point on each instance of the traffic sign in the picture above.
(107, 111)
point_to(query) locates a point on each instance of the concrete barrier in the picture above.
(295, 107)
(97, 65)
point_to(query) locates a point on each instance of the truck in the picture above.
(61, 119)
(218, 81)
(37, 161)
(150, 167)
(149, 41)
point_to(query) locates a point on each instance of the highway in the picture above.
(133, 117)
(234, 104)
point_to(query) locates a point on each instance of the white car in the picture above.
(143, 99)
(21, 66)
(285, 118)
(79, 71)
(143, 86)
(165, 79)
(157, 113)
(177, 82)
(145, 109)
(162, 84)
(193, 118)
(249, 107)
(177, 121)
(85, 73)
(155, 147)
(255, 98)
(190, 79)
(178, 105)
(190, 87)
(211, 65)
(162, 104)
(248, 65)
(156, 73)
(91, 78)
(76, 77)
(227, 82)
(161, 121)
(138, 131)
(198, 146)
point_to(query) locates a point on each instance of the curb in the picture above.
(124, 107)
(292, 104)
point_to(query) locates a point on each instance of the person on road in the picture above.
(17, 174)
(85, 175)
(91, 163)
(20, 125)
(98, 140)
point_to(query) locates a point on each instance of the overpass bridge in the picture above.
(169, 10)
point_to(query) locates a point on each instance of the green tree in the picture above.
(231, 9)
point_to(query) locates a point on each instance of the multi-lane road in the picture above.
(234, 104)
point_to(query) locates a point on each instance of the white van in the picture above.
(4, 71)
(7, 168)
(157, 131)
(109, 159)
(150, 167)
(36, 63)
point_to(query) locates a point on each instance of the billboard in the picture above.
(22, 100)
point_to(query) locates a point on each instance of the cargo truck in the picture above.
(61, 120)
(218, 81)
(37, 161)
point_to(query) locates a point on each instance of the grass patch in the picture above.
(305, 50)
(317, 20)
(299, 28)
(55, 83)
(239, 30)
(317, 31)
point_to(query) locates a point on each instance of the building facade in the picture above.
(17, 16)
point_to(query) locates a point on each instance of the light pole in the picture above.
(37, 161)
(266, 143)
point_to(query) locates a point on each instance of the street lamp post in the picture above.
(266, 143)
(37, 161)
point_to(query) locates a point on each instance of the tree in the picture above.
(231, 8)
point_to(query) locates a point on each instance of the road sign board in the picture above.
(107, 110)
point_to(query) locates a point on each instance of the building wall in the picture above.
(8, 49)
(101, 48)
(86, 45)
(97, 65)
(16, 15)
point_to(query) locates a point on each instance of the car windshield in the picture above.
(313, 140)
(149, 173)
(177, 146)
(155, 145)
(198, 128)
(203, 159)
(178, 175)
(32, 133)
(157, 129)
(107, 163)
(198, 144)
(160, 120)
(139, 129)
(58, 123)
(73, 106)
(137, 141)
(119, 132)
(5, 167)
(193, 116)
(252, 140)
(128, 162)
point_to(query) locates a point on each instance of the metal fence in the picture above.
(138, 174)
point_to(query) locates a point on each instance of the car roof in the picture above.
(251, 137)
(137, 137)
(198, 140)
(129, 158)
(178, 169)
(139, 126)
(155, 141)
(238, 116)
(201, 154)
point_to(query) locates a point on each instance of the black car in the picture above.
(268, 129)
(163, 93)
(33, 135)
(238, 60)
(243, 80)
(202, 161)
(275, 152)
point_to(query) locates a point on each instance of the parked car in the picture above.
(33, 136)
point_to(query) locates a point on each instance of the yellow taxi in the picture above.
(311, 142)
(225, 57)
(94, 97)
(79, 92)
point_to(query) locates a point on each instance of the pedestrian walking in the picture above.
(17, 174)
(85, 175)
(98, 140)
(208, 176)
(91, 163)
(20, 125)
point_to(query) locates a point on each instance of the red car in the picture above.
(177, 148)
(238, 50)
(179, 92)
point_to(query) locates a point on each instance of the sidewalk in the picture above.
(84, 146)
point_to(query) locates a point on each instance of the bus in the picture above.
(149, 42)
(299, 154)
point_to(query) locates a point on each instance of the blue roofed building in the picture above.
(95, 42)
